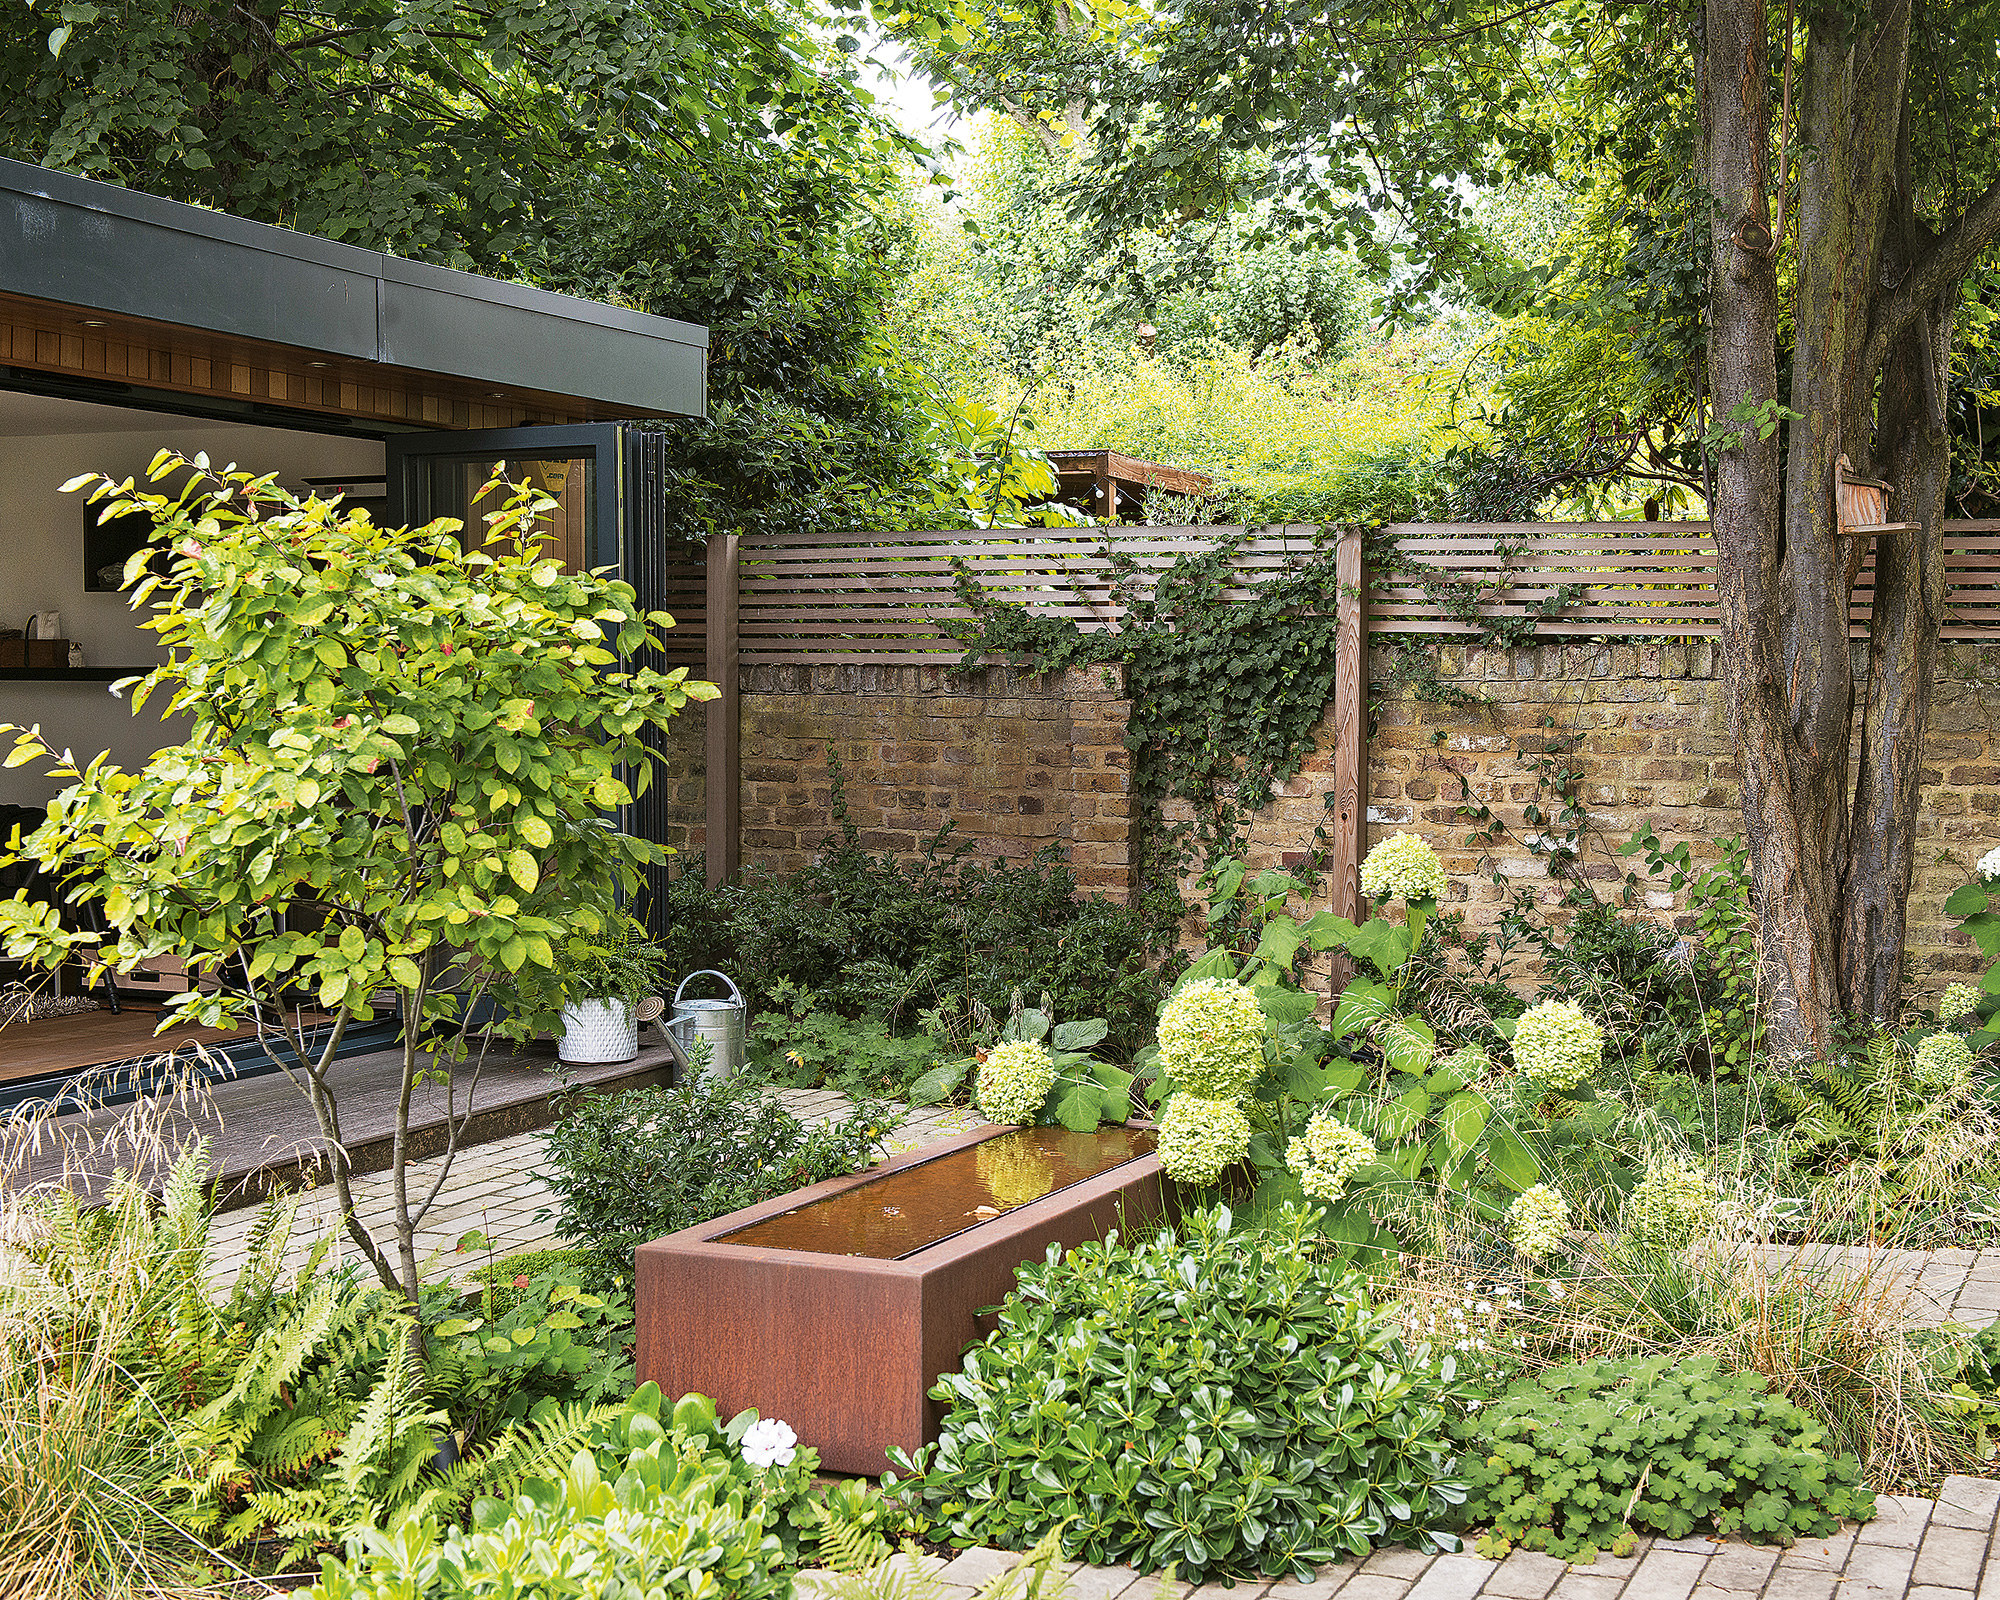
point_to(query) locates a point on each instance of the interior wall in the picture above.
(41, 568)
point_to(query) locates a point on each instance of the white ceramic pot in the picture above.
(598, 1030)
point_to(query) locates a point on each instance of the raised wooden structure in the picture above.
(1112, 486)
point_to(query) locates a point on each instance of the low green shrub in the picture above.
(551, 1340)
(803, 1045)
(1581, 1458)
(664, 1526)
(631, 1167)
(880, 937)
(1224, 1401)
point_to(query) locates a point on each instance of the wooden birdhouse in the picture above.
(1863, 508)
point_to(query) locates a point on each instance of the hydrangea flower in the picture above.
(1944, 1060)
(1557, 1045)
(1989, 864)
(1212, 1039)
(1672, 1205)
(769, 1443)
(1537, 1221)
(1200, 1137)
(1015, 1081)
(1958, 1000)
(1402, 867)
(1327, 1154)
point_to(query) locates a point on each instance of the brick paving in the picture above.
(495, 1189)
(1914, 1549)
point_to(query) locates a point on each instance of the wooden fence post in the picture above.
(723, 787)
(1350, 723)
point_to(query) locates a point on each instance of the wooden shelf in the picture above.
(70, 674)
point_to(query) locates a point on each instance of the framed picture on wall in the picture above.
(107, 546)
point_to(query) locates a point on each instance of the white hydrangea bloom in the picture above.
(1200, 1138)
(1958, 1000)
(769, 1443)
(1402, 867)
(1212, 1039)
(1014, 1082)
(1327, 1154)
(1989, 864)
(1537, 1221)
(1944, 1060)
(1672, 1206)
(1557, 1045)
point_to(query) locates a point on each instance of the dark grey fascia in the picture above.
(99, 247)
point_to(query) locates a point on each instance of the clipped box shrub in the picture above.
(1583, 1458)
(1224, 1400)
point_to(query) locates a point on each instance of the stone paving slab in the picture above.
(495, 1189)
(1915, 1550)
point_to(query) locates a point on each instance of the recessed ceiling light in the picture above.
(92, 322)
(318, 363)
(497, 394)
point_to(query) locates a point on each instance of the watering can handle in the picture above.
(735, 993)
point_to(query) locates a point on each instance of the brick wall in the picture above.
(1015, 760)
(1656, 752)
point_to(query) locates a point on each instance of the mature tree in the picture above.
(1835, 162)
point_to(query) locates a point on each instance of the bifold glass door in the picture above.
(435, 475)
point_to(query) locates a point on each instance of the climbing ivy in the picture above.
(1228, 683)
(1226, 689)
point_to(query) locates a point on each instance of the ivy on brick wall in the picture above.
(1225, 692)
(1227, 684)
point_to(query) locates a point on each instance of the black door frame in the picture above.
(405, 453)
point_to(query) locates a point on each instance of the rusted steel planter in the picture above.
(844, 1346)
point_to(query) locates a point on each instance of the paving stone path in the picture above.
(1913, 1550)
(496, 1189)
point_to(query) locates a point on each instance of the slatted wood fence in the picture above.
(893, 600)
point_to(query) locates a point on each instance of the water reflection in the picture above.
(903, 1212)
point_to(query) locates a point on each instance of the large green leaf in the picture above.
(1363, 1003)
(1984, 927)
(1326, 931)
(1281, 941)
(1512, 1160)
(1463, 1118)
(1965, 900)
(938, 1083)
(1215, 964)
(1402, 1114)
(1077, 1108)
(1407, 1044)
(1080, 1035)
(1382, 944)
(1287, 1007)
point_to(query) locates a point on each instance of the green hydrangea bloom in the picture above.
(1958, 1000)
(1557, 1045)
(1672, 1206)
(1944, 1060)
(1537, 1221)
(1212, 1039)
(1403, 867)
(1327, 1154)
(1015, 1081)
(1199, 1138)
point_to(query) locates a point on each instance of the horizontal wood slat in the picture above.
(889, 599)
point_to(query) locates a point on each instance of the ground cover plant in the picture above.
(1579, 1459)
(634, 1166)
(1220, 1398)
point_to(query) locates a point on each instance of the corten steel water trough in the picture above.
(835, 1308)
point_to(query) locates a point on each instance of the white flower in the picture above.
(1557, 1045)
(1212, 1039)
(1672, 1205)
(1199, 1138)
(1014, 1081)
(1958, 1000)
(1944, 1061)
(1402, 867)
(769, 1443)
(1989, 864)
(1537, 1221)
(1327, 1154)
